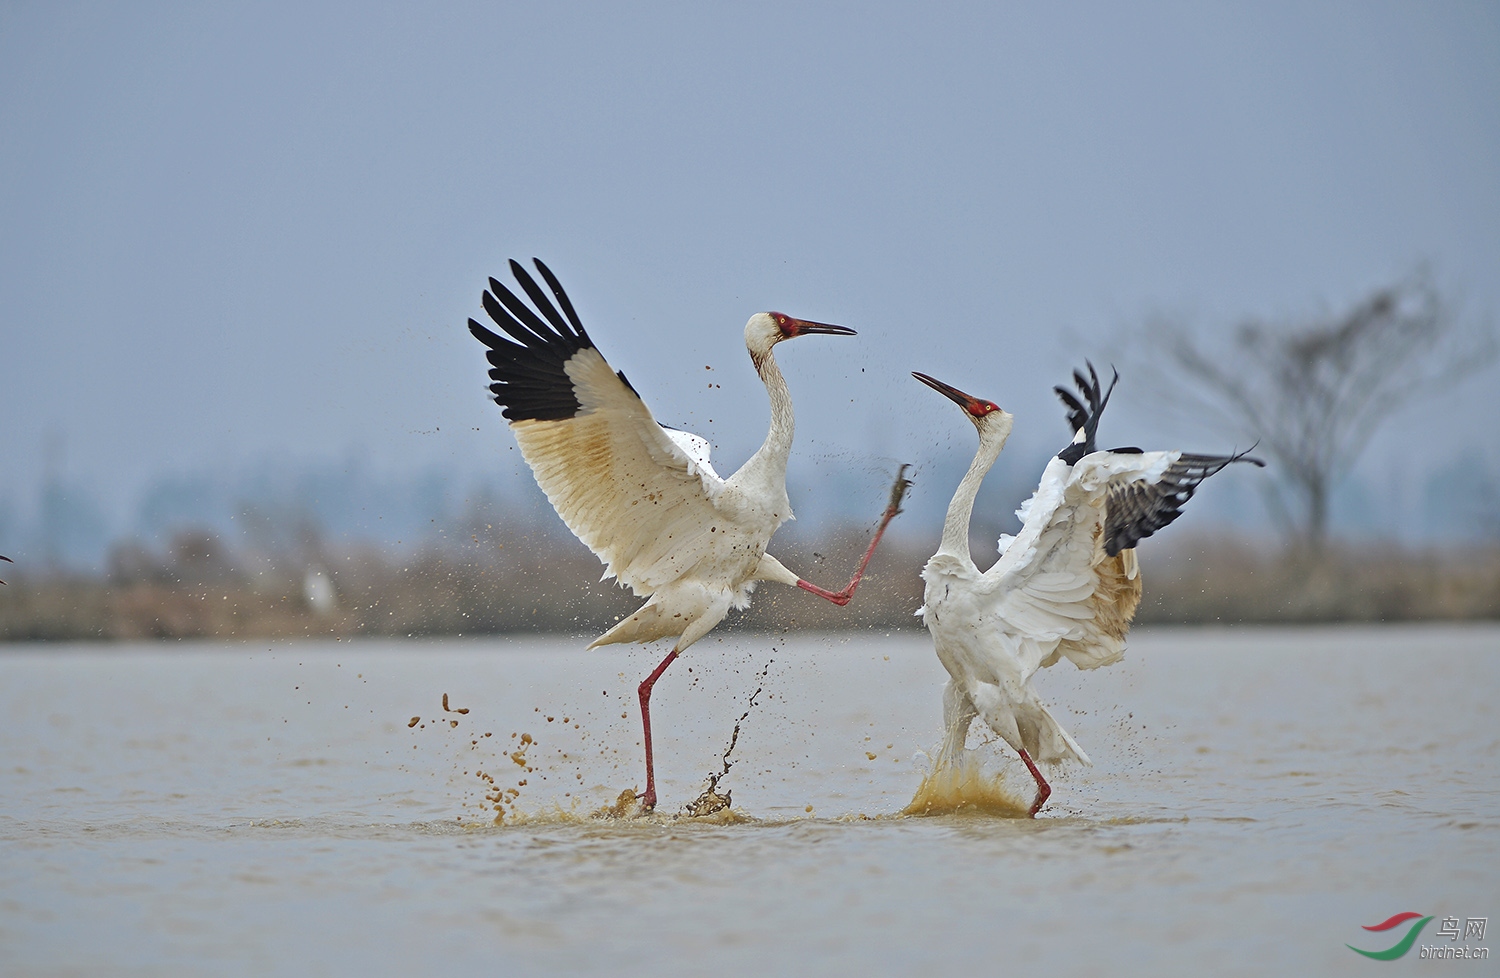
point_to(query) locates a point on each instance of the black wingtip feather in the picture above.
(529, 370)
(484, 334)
(562, 298)
(539, 299)
(1138, 510)
(1077, 414)
(1085, 419)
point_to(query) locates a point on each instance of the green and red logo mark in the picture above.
(1400, 947)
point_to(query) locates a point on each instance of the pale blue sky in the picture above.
(230, 232)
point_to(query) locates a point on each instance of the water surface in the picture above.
(1257, 795)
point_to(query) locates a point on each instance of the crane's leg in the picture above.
(648, 800)
(958, 713)
(696, 629)
(841, 598)
(1043, 789)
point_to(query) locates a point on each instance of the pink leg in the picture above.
(1043, 790)
(648, 800)
(841, 598)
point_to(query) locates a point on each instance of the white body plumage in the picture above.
(1053, 593)
(1067, 585)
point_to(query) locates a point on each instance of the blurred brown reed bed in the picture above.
(518, 582)
(491, 581)
(1202, 580)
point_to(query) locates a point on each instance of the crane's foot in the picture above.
(841, 598)
(1042, 794)
(898, 493)
(1043, 789)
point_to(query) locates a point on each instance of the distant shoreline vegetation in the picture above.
(526, 581)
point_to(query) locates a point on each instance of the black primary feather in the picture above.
(1138, 509)
(1081, 418)
(528, 370)
(1077, 413)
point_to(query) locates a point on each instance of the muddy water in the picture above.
(330, 808)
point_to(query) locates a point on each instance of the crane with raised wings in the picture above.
(644, 497)
(1066, 586)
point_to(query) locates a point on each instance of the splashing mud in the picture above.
(964, 787)
(504, 799)
(711, 802)
(625, 806)
(625, 811)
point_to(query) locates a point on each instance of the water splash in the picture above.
(628, 805)
(962, 786)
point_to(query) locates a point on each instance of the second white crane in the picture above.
(1067, 585)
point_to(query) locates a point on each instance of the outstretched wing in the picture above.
(1071, 573)
(638, 495)
(1054, 581)
(1139, 506)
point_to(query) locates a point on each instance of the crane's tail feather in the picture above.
(655, 619)
(1053, 743)
(649, 623)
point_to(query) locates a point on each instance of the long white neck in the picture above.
(961, 509)
(770, 460)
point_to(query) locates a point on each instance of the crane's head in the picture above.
(987, 416)
(766, 329)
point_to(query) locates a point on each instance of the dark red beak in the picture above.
(952, 393)
(974, 405)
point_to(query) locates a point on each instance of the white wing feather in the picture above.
(1054, 582)
(697, 449)
(631, 490)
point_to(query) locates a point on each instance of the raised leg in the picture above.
(648, 800)
(841, 598)
(1043, 789)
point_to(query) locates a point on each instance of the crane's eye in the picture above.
(980, 408)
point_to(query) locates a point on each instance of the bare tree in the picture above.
(1313, 392)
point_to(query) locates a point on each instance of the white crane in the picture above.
(641, 496)
(1066, 585)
